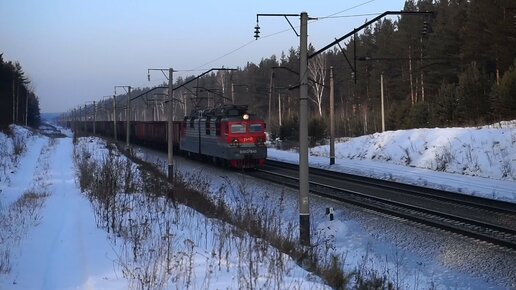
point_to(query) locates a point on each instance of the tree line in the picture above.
(455, 67)
(18, 102)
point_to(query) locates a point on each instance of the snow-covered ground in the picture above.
(417, 258)
(476, 161)
(55, 238)
(59, 245)
(53, 243)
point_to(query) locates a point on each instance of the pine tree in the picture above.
(446, 105)
(473, 100)
(504, 96)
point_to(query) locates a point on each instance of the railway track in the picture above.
(483, 219)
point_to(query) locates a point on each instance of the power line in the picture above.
(353, 15)
(285, 30)
(351, 8)
(220, 57)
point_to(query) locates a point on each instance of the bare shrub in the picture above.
(13, 146)
(5, 157)
(505, 162)
(367, 277)
(85, 166)
(20, 144)
(406, 157)
(147, 241)
(138, 222)
(15, 222)
(262, 220)
(238, 225)
(443, 159)
(5, 261)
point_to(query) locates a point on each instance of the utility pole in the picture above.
(171, 111)
(232, 93)
(128, 119)
(170, 128)
(332, 117)
(269, 124)
(381, 95)
(127, 114)
(74, 119)
(85, 120)
(94, 116)
(170, 117)
(304, 207)
(114, 116)
(79, 118)
(279, 109)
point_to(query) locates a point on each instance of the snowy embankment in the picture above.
(53, 236)
(12, 148)
(161, 244)
(478, 161)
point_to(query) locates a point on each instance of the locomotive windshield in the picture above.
(237, 128)
(241, 128)
(255, 128)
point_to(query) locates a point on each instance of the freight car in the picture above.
(228, 136)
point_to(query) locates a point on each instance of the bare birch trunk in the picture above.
(421, 69)
(412, 99)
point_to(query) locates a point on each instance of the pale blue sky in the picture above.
(76, 51)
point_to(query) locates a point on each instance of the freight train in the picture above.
(228, 135)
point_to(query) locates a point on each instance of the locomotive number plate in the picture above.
(248, 151)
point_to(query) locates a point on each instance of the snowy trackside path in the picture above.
(65, 250)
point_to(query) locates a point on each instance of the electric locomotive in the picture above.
(228, 135)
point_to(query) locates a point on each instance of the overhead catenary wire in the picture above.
(350, 16)
(286, 30)
(347, 9)
(333, 15)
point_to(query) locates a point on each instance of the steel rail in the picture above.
(467, 200)
(466, 226)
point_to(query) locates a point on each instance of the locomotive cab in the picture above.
(228, 135)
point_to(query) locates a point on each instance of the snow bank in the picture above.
(487, 151)
(13, 145)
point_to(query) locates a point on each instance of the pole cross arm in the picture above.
(162, 70)
(257, 28)
(353, 68)
(146, 92)
(367, 24)
(125, 89)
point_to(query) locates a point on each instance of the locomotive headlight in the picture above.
(245, 117)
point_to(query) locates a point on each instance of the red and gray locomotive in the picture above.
(228, 135)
